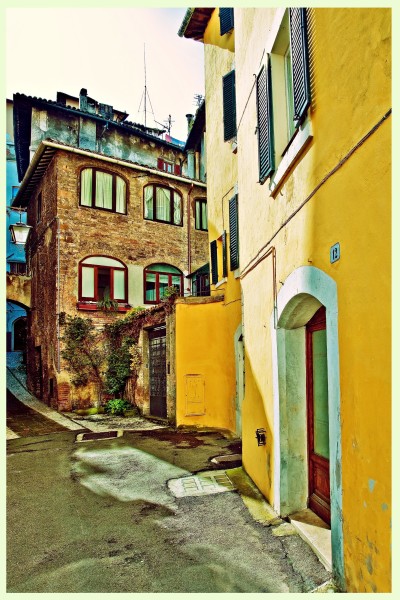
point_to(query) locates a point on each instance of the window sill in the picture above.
(220, 282)
(92, 306)
(303, 137)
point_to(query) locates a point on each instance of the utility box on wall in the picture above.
(194, 395)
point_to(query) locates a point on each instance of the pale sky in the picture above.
(102, 49)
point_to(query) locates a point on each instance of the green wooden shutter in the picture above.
(300, 64)
(225, 20)
(233, 233)
(214, 261)
(265, 123)
(229, 102)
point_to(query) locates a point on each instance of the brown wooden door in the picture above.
(317, 416)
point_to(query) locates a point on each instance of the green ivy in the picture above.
(81, 350)
(118, 366)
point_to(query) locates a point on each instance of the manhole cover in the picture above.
(98, 435)
(199, 485)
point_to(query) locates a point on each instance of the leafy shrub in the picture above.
(116, 406)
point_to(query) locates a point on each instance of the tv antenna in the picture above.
(145, 94)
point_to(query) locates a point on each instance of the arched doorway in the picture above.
(303, 294)
(19, 334)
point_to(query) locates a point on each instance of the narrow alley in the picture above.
(142, 510)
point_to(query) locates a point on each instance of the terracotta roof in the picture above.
(195, 22)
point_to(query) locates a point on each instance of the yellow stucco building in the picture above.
(298, 120)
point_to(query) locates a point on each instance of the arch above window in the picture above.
(102, 278)
(157, 278)
(103, 190)
(162, 204)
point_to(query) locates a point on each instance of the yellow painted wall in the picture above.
(205, 332)
(353, 207)
(204, 346)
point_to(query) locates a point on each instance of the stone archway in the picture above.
(303, 292)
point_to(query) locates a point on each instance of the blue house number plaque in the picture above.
(335, 252)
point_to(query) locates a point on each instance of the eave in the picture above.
(195, 22)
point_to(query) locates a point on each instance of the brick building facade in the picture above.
(83, 243)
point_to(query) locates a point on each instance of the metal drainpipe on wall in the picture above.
(58, 294)
(189, 237)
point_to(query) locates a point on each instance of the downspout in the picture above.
(271, 250)
(58, 294)
(188, 236)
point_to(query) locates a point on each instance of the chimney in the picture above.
(189, 121)
(83, 99)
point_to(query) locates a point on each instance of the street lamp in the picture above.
(19, 231)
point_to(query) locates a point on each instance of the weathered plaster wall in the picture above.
(350, 96)
(86, 133)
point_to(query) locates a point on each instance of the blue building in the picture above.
(15, 254)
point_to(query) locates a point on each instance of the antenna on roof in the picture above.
(145, 94)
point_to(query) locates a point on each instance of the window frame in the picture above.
(95, 298)
(200, 201)
(172, 191)
(148, 270)
(114, 190)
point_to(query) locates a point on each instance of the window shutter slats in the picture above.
(214, 261)
(264, 123)
(229, 102)
(233, 233)
(225, 20)
(300, 64)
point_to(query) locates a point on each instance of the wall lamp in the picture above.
(19, 231)
(261, 437)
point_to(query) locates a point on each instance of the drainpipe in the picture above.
(58, 295)
(270, 251)
(188, 236)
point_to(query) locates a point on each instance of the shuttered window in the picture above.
(264, 123)
(229, 101)
(233, 233)
(225, 20)
(301, 72)
(214, 261)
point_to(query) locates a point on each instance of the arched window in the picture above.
(162, 204)
(102, 190)
(102, 278)
(157, 278)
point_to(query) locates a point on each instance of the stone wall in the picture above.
(84, 232)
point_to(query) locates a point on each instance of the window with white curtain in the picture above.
(102, 277)
(103, 190)
(162, 204)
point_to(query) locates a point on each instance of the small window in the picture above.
(229, 105)
(159, 277)
(201, 214)
(39, 208)
(162, 204)
(17, 268)
(103, 190)
(169, 167)
(102, 278)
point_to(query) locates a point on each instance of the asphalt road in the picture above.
(98, 516)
